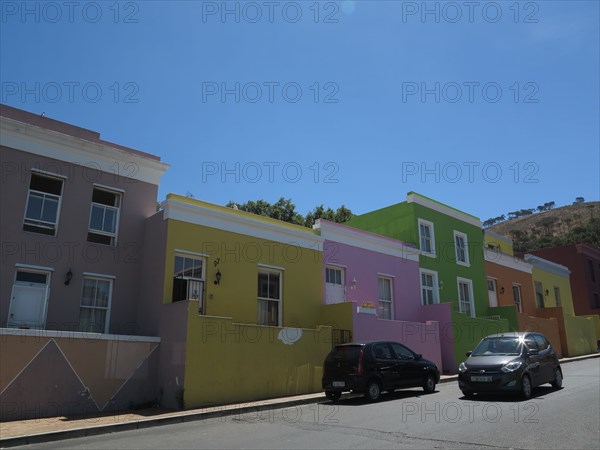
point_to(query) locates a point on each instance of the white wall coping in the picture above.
(76, 335)
(62, 147)
(413, 197)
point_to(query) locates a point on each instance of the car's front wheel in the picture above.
(333, 395)
(429, 384)
(526, 387)
(373, 391)
(558, 379)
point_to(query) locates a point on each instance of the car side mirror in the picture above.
(468, 354)
(532, 351)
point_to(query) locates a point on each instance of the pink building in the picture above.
(371, 287)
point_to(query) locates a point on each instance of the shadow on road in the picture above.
(538, 392)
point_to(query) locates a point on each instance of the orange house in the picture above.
(510, 283)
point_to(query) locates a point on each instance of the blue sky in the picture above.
(489, 108)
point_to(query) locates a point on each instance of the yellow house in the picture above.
(553, 298)
(239, 304)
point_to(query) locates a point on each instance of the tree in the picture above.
(548, 224)
(284, 210)
(578, 200)
(343, 214)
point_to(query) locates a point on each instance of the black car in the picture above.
(510, 362)
(375, 367)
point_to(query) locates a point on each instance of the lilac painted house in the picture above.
(371, 288)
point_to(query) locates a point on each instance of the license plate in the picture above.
(338, 384)
(481, 379)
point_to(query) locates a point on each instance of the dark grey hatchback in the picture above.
(375, 367)
(510, 362)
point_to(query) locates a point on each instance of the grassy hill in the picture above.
(559, 226)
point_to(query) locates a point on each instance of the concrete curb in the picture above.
(190, 416)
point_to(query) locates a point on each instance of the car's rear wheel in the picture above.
(558, 379)
(429, 384)
(526, 387)
(333, 395)
(373, 391)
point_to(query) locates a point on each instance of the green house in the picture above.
(452, 270)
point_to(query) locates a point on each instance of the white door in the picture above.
(335, 287)
(29, 300)
(492, 295)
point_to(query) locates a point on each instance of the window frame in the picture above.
(58, 206)
(469, 283)
(113, 236)
(520, 302)
(539, 295)
(466, 262)
(557, 297)
(202, 280)
(427, 223)
(265, 270)
(434, 288)
(337, 269)
(390, 301)
(110, 281)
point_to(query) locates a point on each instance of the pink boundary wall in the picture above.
(442, 314)
(422, 338)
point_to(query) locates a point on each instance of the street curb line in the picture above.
(190, 417)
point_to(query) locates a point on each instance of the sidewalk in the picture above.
(49, 429)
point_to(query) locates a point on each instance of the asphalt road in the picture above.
(563, 419)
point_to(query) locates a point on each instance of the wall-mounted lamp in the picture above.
(502, 289)
(547, 292)
(353, 283)
(68, 277)
(218, 277)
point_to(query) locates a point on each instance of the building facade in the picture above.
(583, 260)
(236, 299)
(71, 226)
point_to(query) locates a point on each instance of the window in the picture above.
(541, 342)
(382, 351)
(517, 297)
(188, 280)
(428, 287)
(492, 292)
(557, 295)
(269, 298)
(539, 295)
(385, 297)
(43, 202)
(426, 237)
(29, 298)
(531, 343)
(465, 297)
(592, 274)
(104, 217)
(335, 290)
(460, 245)
(95, 305)
(402, 352)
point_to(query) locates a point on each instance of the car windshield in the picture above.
(498, 346)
